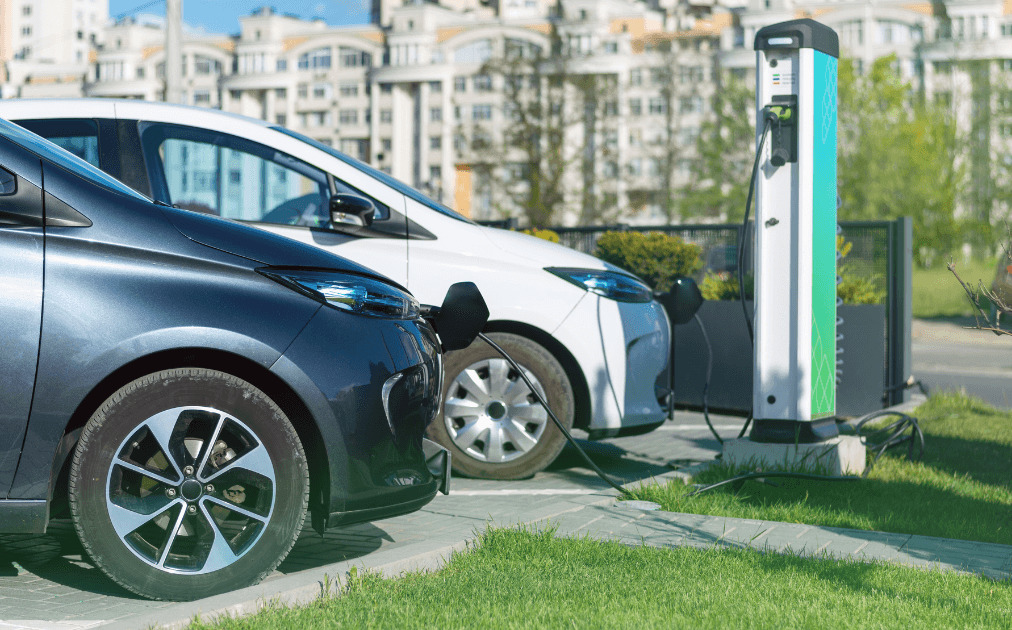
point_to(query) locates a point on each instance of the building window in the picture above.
(481, 112)
(611, 48)
(206, 65)
(282, 65)
(459, 84)
(635, 107)
(475, 52)
(280, 93)
(436, 114)
(482, 83)
(435, 142)
(386, 88)
(386, 116)
(348, 116)
(435, 173)
(315, 59)
(281, 119)
(386, 144)
(303, 90)
(690, 104)
(611, 108)
(201, 97)
(636, 77)
(435, 87)
(26, 10)
(26, 31)
(354, 58)
(349, 89)
(321, 90)
(657, 105)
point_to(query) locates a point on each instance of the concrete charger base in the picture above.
(841, 455)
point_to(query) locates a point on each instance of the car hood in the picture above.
(258, 245)
(544, 253)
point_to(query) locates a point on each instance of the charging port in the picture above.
(783, 114)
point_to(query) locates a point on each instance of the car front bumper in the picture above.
(371, 386)
(623, 350)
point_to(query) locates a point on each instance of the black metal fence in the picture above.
(880, 251)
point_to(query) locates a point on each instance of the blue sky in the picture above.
(222, 16)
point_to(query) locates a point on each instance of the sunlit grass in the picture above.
(936, 293)
(962, 489)
(532, 579)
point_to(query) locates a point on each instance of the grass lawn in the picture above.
(962, 488)
(526, 579)
(937, 294)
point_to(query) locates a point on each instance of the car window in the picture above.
(79, 136)
(389, 180)
(63, 158)
(234, 178)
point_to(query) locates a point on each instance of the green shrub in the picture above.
(853, 288)
(724, 286)
(545, 234)
(655, 257)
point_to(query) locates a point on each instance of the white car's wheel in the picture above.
(491, 421)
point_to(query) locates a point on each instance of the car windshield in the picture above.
(396, 184)
(63, 158)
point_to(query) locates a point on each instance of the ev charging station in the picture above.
(794, 371)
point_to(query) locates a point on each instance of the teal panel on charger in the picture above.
(824, 237)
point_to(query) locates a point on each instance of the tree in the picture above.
(981, 295)
(554, 148)
(897, 157)
(719, 174)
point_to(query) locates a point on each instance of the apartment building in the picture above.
(46, 47)
(421, 91)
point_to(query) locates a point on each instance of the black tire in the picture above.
(516, 462)
(204, 445)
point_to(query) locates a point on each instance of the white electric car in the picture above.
(590, 335)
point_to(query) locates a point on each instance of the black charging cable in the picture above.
(769, 117)
(706, 383)
(558, 423)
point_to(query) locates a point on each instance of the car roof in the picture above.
(15, 109)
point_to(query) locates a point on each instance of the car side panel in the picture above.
(21, 262)
(128, 286)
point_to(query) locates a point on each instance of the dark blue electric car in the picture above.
(190, 388)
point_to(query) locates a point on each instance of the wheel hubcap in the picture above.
(191, 490)
(491, 414)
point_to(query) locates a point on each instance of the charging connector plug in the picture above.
(781, 115)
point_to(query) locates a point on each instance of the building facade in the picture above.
(46, 47)
(427, 91)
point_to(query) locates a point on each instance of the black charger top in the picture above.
(803, 33)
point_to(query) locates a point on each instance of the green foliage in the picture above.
(655, 257)
(546, 234)
(897, 158)
(724, 286)
(854, 287)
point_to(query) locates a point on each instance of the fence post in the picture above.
(901, 255)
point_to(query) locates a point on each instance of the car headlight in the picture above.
(610, 284)
(349, 292)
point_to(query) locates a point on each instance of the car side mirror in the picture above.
(682, 300)
(461, 317)
(351, 210)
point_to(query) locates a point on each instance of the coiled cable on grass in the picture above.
(895, 435)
